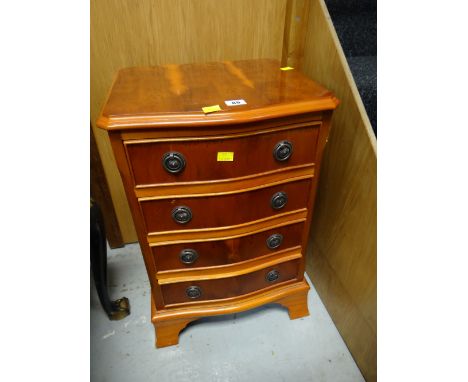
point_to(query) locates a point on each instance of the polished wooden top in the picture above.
(174, 95)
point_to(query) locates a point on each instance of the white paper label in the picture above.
(235, 102)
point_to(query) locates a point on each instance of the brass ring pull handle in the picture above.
(274, 241)
(188, 256)
(272, 276)
(182, 214)
(283, 151)
(173, 162)
(279, 200)
(193, 292)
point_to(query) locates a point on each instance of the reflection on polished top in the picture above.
(174, 95)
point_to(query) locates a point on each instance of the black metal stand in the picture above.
(118, 309)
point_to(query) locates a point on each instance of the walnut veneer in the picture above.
(219, 233)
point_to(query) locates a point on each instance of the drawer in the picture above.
(187, 213)
(196, 159)
(203, 290)
(223, 252)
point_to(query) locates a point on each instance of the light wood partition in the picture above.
(151, 32)
(342, 257)
(296, 22)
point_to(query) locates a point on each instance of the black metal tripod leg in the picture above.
(118, 309)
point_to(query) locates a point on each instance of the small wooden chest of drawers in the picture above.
(222, 201)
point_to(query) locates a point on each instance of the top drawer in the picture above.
(156, 161)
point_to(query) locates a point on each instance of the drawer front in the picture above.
(229, 287)
(224, 210)
(222, 252)
(198, 160)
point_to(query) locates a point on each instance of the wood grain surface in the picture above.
(253, 155)
(101, 194)
(229, 287)
(168, 323)
(168, 133)
(230, 185)
(296, 23)
(229, 213)
(175, 95)
(224, 233)
(151, 32)
(224, 210)
(342, 262)
(229, 251)
(230, 270)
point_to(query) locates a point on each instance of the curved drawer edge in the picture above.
(234, 305)
(226, 186)
(222, 233)
(231, 270)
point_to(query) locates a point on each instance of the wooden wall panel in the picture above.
(152, 32)
(100, 194)
(342, 255)
(295, 27)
